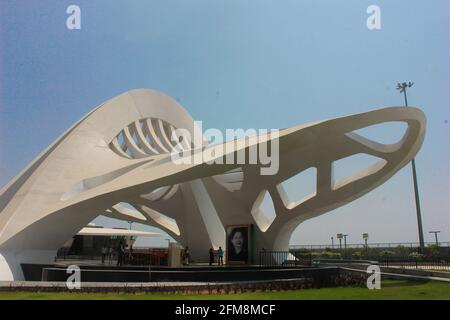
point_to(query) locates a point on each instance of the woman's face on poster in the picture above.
(238, 241)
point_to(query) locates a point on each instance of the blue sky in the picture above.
(239, 64)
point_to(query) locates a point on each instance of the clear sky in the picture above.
(239, 64)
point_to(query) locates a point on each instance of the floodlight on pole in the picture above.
(339, 236)
(401, 87)
(345, 240)
(436, 236)
(366, 237)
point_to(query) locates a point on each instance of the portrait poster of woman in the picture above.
(237, 244)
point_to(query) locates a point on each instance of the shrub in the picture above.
(386, 253)
(330, 255)
(401, 249)
(416, 255)
(433, 250)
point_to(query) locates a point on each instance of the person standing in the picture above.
(130, 252)
(110, 254)
(211, 256)
(120, 254)
(104, 252)
(220, 256)
(187, 255)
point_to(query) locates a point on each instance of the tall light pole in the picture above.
(332, 243)
(366, 237)
(345, 240)
(339, 236)
(402, 88)
(435, 236)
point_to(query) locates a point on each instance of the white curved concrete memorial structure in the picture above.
(117, 162)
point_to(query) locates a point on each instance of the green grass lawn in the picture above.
(390, 289)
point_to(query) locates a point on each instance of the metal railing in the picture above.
(139, 257)
(398, 252)
(146, 259)
(440, 264)
(284, 258)
(370, 245)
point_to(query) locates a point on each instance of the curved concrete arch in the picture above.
(154, 136)
(85, 173)
(148, 148)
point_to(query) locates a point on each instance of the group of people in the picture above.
(237, 243)
(107, 252)
(237, 249)
(219, 256)
(186, 255)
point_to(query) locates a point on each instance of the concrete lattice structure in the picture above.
(116, 162)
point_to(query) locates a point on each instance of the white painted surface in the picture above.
(85, 173)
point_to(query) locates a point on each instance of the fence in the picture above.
(139, 257)
(301, 258)
(146, 259)
(399, 252)
(284, 258)
(369, 245)
(426, 264)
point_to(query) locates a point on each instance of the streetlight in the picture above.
(332, 243)
(436, 236)
(130, 222)
(339, 236)
(365, 237)
(345, 240)
(402, 88)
